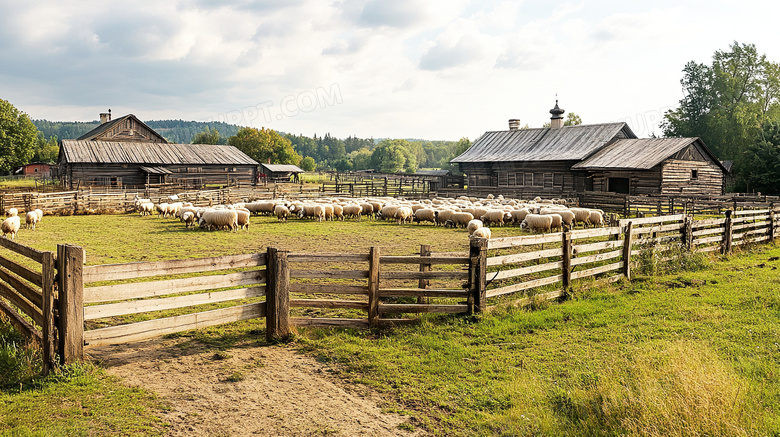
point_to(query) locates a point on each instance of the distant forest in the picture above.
(175, 131)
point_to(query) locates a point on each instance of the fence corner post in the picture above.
(728, 234)
(687, 232)
(627, 243)
(478, 266)
(71, 303)
(425, 250)
(566, 259)
(277, 299)
(373, 287)
(49, 330)
(771, 226)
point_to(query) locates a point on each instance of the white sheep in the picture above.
(403, 214)
(425, 215)
(146, 208)
(581, 215)
(482, 232)
(461, 219)
(493, 216)
(40, 214)
(218, 219)
(13, 212)
(536, 222)
(388, 211)
(352, 210)
(473, 225)
(518, 215)
(443, 216)
(596, 218)
(338, 212)
(242, 217)
(11, 226)
(281, 212)
(31, 218)
(188, 218)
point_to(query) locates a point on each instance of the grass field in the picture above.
(689, 353)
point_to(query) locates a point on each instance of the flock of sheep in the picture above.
(13, 223)
(471, 213)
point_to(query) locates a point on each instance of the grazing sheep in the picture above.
(146, 208)
(473, 225)
(162, 209)
(596, 218)
(319, 212)
(388, 211)
(461, 219)
(353, 211)
(425, 215)
(188, 218)
(40, 214)
(338, 212)
(31, 218)
(281, 212)
(518, 215)
(218, 219)
(367, 210)
(443, 216)
(329, 211)
(481, 233)
(403, 214)
(566, 216)
(242, 216)
(493, 216)
(536, 222)
(581, 215)
(11, 226)
(13, 212)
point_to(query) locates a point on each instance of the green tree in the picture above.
(207, 136)
(46, 150)
(18, 136)
(762, 172)
(572, 119)
(308, 164)
(265, 145)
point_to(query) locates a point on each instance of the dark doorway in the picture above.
(618, 185)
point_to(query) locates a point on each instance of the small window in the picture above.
(694, 174)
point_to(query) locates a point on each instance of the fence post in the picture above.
(771, 226)
(49, 331)
(373, 287)
(566, 260)
(627, 242)
(277, 299)
(478, 266)
(71, 303)
(687, 232)
(728, 233)
(425, 250)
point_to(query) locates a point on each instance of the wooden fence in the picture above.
(135, 301)
(629, 206)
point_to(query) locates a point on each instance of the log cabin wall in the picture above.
(641, 182)
(131, 174)
(698, 178)
(545, 178)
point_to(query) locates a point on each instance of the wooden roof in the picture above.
(103, 131)
(641, 154)
(569, 143)
(117, 152)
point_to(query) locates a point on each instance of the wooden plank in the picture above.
(374, 265)
(387, 308)
(49, 340)
(585, 248)
(417, 292)
(22, 271)
(135, 290)
(326, 257)
(708, 222)
(597, 270)
(28, 292)
(167, 303)
(304, 287)
(115, 272)
(708, 231)
(329, 323)
(330, 274)
(20, 323)
(424, 275)
(751, 225)
(524, 286)
(592, 233)
(424, 260)
(506, 242)
(169, 325)
(29, 252)
(597, 257)
(655, 229)
(71, 303)
(715, 239)
(752, 211)
(27, 307)
(329, 303)
(525, 256)
(278, 296)
(505, 274)
(649, 220)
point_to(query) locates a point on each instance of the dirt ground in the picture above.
(256, 390)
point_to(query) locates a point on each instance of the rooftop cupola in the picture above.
(556, 121)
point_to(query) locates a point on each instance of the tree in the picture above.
(46, 150)
(308, 164)
(18, 136)
(265, 145)
(206, 136)
(572, 119)
(762, 172)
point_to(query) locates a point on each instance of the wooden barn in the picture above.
(566, 160)
(126, 152)
(280, 171)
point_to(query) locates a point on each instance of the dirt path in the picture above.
(257, 390)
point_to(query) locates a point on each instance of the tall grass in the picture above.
(20, 360)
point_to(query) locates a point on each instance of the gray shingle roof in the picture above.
(569, 143)
(91, 135)
(639, 154)
(117, 152)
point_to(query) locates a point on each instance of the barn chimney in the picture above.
(556, 121)
(105, 117)
(514, 124)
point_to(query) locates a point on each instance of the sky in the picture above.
(429, 69)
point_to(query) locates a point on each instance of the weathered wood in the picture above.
(715, 239)
(329, 303)
(135, 290)
(49, 340)
(278, 296)
(592, 233)
(329, 323)
(374, 260)
(22, 288)
(425, 260)
(566, 261)
(29, 252)
(728, 236)
(387, 308)
(592, 247)
(597, 257)
(24, 272)
(326, 257)
(442, 274)
(506, 274)
(416, 292)
(167, 303)
(627, 242)
(521, 257)
(304, 287)
(708, 231)
(771, 230)
(331, 274)
(478, 248)
(524, 286)
(27, 307)
(71, 303)
(649, 220)
(425, 252)
(751, 225)
(169, 325)
(115, 272)
(708, 222)
(597, 270)
(506, 242)
(751, 212)
(658, 229)
(20, 323)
